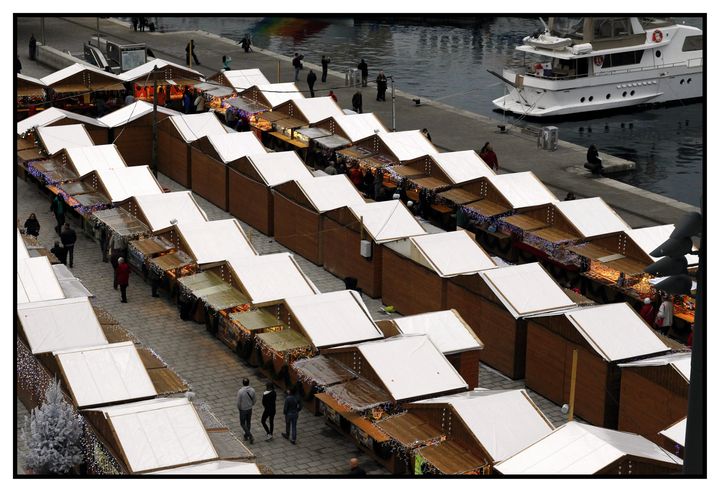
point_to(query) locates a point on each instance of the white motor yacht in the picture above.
(586, 64)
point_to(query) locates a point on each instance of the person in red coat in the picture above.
(647, 311)
(123, 278)
(489, 157)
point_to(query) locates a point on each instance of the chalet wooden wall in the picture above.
(297, 227)
(410, 287)
(209, 178)
(468, 366)
(174, 157)
(250, 201)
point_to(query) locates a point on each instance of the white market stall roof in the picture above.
(123, 183)
(449, 254)
(60, 324)
(235, 145)
(450, 333)
(333, 318)
(51, 115)
(616, 331)
(85, 159)
(676, 432)
(159, 433)
(30, 79)
(331, 192)
(318, 108)
(75, 69)
(577, 448)
(244, 79)
(22, 251)
(216, 241)
(194, 126)
(219, 467)
(462, 166)
(387, 221)
(105, 374)
(132, 112)
(280, 167)
(651, 237)
(36, 281)
(592, 217)
(411, 366)
(142, 71)
(359, 126)
(161, 209)
(679, 361)
(271, 278)
(526, 289)
(502, 421)
(70, 285)
(522, 189)
(408, 145)
(278, 93)
(55, 138)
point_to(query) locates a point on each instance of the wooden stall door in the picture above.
(297, 228)
(410, 287)
(250, 201)
(209, 178)
(545, 363)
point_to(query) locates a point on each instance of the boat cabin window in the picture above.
(569, 67)
(622, 59)
(693, 43)
(608, 28)
(571, 27)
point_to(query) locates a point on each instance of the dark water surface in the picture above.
(447, 61)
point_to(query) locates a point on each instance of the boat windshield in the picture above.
(571, 27)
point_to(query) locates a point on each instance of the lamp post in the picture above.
(153, 159)
(392, 96)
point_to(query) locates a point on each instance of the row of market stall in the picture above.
(137, 419)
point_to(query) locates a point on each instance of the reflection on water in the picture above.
(448, 62)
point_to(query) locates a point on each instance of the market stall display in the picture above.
(497, 302)
(603, 336)
(580, 449)
(30, 93)
(349, 252)
(250, 181)
(298, 209)
(672, 438)
(416, 271)
(80, 80)
(35, 280)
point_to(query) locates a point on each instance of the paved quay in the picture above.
(451, 128)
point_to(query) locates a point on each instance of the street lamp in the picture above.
(392, 96)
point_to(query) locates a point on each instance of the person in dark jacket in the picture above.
(57, 207)
(355, 469)
(32, 226)
(297, 64)
(426, 133)
(357, 102)
(122, 273)
(246, 43)
(33, 47)
(187, 102)
(135, 22)
(381, 81)
(268, 415)
(291, 410)
(68, 238)
(594, 162)
(190, 51)
(311, 79)
(488, 156)
(18, 65)
(368, 186)
(324, 62)
(59, 252)
(363, 67)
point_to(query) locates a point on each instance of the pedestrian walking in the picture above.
(489, 157)
(311, 79)
(381, 81)
(57, 207)
(291, 410)
(332, 96)
(268, 415)
(161, 97)
(426, 133)
(363, 67)
(33, 47)
(226, 62)
(187, 102)
(647, 311)
(116, 249)
(664, 318)
(355, 469)
(570, 196)
(143, 23)
(123, 277)
(134, 21)
(190, 51)
(325, 61)
(245, 401)
(68, 238)
(32, 225)
(357, 102)
(246, 44)
(297, 64)
(59, 252)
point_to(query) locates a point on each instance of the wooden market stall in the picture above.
(211, 156)
(300, 112)
(250, 183)
(240, 80)
(672, 438)
(299, 207)
(450, 333)
(497, 302)
(160, 211)
(353, 127)
(654, 394)
(50, 140)
(35, 280)
(266, 96)
(416, 271)
(579, 449)
(352, 239)
(173, 78)
(391, 148)
(29, 94)
(26, 129)
(603, 336)
(71, 87)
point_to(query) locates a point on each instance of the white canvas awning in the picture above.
(220, 467)
(331, 192)
(387, 221)
(445, 328)
(679, 361)
(268, 279)
(408, 145)
(159, 433)
(522, 189)
(244, 79)
(592, 217)
(194, 126)
(676, 432)
(125, 182)
(60, 324)
(70, 285)
(22, 251)
(450, 254)
(235, 145)
(277, 93)
(85, 159)
(51, 115)
(161, 209)
(280, 167)
(334, 318)
(129, 113)
(411, 366)
(359, 126)
(36, 281)
(616, 332)
(216, 241)
(55, 138)
(580, 449)
(318, 108)
(502, 421)
(105, 374)
(651, 237)
(462, 166)
(526, 290)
